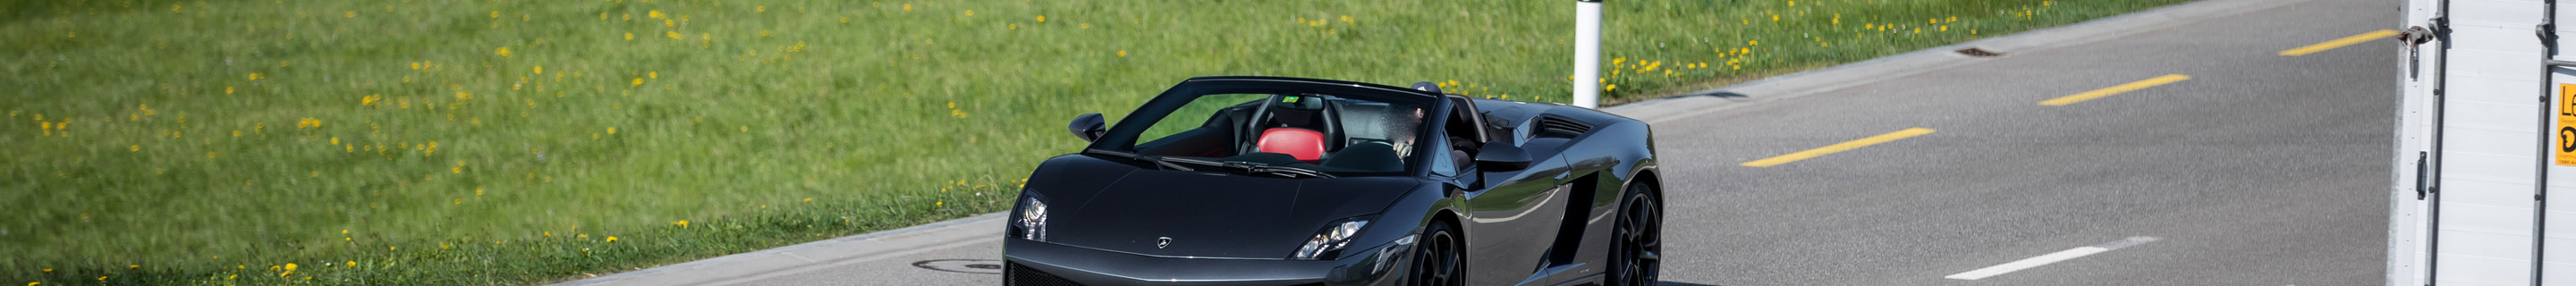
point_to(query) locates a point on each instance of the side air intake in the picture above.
(1551, 126)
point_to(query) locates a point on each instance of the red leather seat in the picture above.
(1306, 145)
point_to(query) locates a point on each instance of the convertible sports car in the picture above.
(1292, 181)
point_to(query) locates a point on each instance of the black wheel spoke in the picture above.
(1439, 261)
(1638, 241)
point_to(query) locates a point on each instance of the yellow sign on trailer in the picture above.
(2566, 155)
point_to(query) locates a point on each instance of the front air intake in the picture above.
(1015, 275)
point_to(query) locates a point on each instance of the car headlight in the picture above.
(1332, 239)
(1031, 223)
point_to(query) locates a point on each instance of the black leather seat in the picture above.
(1367, 157)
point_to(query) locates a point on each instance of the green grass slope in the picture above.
(506, 142)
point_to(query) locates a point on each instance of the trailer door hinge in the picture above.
(2423, 175)
(2414, 37)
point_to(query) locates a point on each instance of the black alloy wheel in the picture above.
(1639, 240)
(1438, 260)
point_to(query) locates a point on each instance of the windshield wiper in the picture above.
(1158, 161)
(1284, 171)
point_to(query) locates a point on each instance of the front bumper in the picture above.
(1048, 264)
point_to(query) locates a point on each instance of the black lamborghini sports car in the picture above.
(1293, 181)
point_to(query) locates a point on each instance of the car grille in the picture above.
(1023, 276)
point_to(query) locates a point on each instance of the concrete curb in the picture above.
(748, 266)
(1937, 58)
(792, 259)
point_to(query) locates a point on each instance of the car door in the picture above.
(1511, 214)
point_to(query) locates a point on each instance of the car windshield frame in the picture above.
(1122, 137)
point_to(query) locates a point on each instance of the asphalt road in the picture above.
(2260, 169)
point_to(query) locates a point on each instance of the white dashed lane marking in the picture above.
(2009, 267)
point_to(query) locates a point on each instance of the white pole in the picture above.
(1587, 53)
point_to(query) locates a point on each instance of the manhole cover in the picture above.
(971, 266)
(1977, 52)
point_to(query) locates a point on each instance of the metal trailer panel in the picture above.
(2474, 111)
(2557, 253)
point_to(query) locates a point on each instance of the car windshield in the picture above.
(1337, 134)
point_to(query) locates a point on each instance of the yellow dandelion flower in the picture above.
(681, 223)
(254, 76)
(538, 69)
(1122, 53)
(496, 14)
(639, 81)
(939, 203)
(809, 200)
(612, 239)
(1793, 3)
(1610, 87)
(970, 12)
(135, 148)
(503, 51)
(290, 267)
(673, 35)
(656, 14)
(1041, 18)
(133, 266)
(612, 131)
(907, 7)
(228, 90)
(758, 9)
(630, 36)
(653, 74)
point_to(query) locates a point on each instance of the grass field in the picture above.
(411, 142)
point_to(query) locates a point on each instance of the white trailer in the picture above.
(2486, 117)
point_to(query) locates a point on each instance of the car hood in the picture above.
(1204, 214)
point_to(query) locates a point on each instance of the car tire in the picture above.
(1637, 242)
(1440, 259)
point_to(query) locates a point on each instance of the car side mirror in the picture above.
(1088, 127)
(1502, 158)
